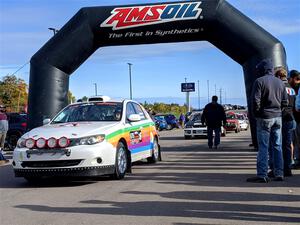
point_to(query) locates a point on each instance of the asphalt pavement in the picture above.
(192, 185)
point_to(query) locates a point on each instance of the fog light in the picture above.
(13, 163)
(99, 160)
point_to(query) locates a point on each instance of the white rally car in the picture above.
(88, 139)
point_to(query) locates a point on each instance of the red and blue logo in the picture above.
(136, 16)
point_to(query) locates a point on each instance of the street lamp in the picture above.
(95, 89)
(130, 64)
(53, 29)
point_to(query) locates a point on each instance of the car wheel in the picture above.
(169, 127)
(12, 141)
(156, 155)
(121, 162)
(236, 130)
(223, 134)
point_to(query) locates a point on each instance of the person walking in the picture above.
(267, 100)
(288, 125)
(3, 131)
(182, 120)
(213, 115)
(294, 81)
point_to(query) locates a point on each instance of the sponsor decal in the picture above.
(137, 16)
(290, 91)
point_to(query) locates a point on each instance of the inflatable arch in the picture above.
(215, 21)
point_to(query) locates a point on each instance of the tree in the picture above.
(71, 97)
(13, 93)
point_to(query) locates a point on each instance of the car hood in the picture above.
(70, 130)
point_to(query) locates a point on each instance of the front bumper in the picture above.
(81, 160)
(66, 172)
(195, 132)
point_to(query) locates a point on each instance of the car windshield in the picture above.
(159, 117)
(196, 117)
(98, 111)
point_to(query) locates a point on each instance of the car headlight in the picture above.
(91, 140)
(21, 143)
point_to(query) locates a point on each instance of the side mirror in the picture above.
(46, 121)
(134, 117)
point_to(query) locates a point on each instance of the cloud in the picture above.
(279, 27)
(136, 52)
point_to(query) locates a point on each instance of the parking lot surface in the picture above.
(192, 185)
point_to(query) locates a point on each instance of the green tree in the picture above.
(13, 93)
(71, 97)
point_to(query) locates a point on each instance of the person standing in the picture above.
(294, 81)
(288, 124)
(268, 98)
(181, 120)
(3, 131)
(213, 115)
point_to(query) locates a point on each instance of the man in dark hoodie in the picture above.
(268, 99)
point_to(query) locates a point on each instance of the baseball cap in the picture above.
(295, 74)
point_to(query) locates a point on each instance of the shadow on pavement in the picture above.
(211, 210)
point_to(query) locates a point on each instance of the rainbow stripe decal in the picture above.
(138, 138)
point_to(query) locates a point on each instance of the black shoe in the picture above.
(288, 173)
(258, 179)
(278, 179)
(271, 174)
(210, 147)
(215, 147)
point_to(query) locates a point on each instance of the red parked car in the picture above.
(232, 122)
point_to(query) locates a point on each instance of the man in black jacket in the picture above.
(268, 98)
(213, 116)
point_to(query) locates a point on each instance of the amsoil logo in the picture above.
(128, 17)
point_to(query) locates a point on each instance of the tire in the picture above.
(169, 127)
(121, 163)
(12, 141)
(223, 134)
(156, 155)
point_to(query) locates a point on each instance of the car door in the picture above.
(139, 135)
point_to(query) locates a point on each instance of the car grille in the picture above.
(54, 163)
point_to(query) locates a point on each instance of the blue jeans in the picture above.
(269, 136)
(210, 132)
(287, 136)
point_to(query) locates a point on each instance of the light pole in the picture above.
(198, 95)
(207, 91)
(53, 29)
(130, 86)
(95, 89)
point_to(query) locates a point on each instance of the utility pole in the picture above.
(187, 97)
(198, 95)
(95, 89)
(221, 96)
(130, 85)
(207, 91)
(215, 89)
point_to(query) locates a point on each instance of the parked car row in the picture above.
(235, 122)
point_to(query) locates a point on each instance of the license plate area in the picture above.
(66, 152)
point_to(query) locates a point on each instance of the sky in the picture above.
(157, 70)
